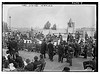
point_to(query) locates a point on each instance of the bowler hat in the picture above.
(35, 58)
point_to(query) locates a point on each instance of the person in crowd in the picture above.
(86, 36)
(12, 60)
(50, 51)
(21, 44)
(9, 63)
(43, 48)
(43, 63)
(29, 66)
(60, 36)
(26, 62)
(77, 49)
(66, 51)
(36, 62)
(12, 67)
(5, 62)
(95, 35)
(77, 36)
(89, 69)
(70, 55)
(90, 63)
(20, 61)
(70, 37)
(85, 50)
(12, 46)
(7, 53)
(66, 69)
(94, 50)
(60, 52)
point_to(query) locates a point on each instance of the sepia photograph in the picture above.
(49, 37)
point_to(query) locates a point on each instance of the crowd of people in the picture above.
(73, 47)
(16, 63)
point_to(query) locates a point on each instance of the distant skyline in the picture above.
(36, 17)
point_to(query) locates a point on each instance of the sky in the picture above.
(36, 17)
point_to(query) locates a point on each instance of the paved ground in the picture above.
(54, 66)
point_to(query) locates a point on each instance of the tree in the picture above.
(54, 27)
(47, 25)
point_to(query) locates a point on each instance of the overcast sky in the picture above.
(36, 17)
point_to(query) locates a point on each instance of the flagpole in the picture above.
(10, 22)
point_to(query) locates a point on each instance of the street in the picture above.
(55, 65)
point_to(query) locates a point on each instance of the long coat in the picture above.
(60, 49)
(12, 46)
(50, 48)
(43, 47)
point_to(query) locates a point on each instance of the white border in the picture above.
(51, 1)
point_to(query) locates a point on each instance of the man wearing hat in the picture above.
(85, 50)
(12, 46)
(43, 48)
(60, 52)
(70, 55)
(29, 66)
(66, 69)
(36, 62)
(50, 51)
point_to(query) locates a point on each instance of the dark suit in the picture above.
(43, 48)
(60, 53)
(77, 49)
(50, 51)
(13, 48)
(70, 55)
(29, 67)
(19, 61)
(85, 51)
(36, 63)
